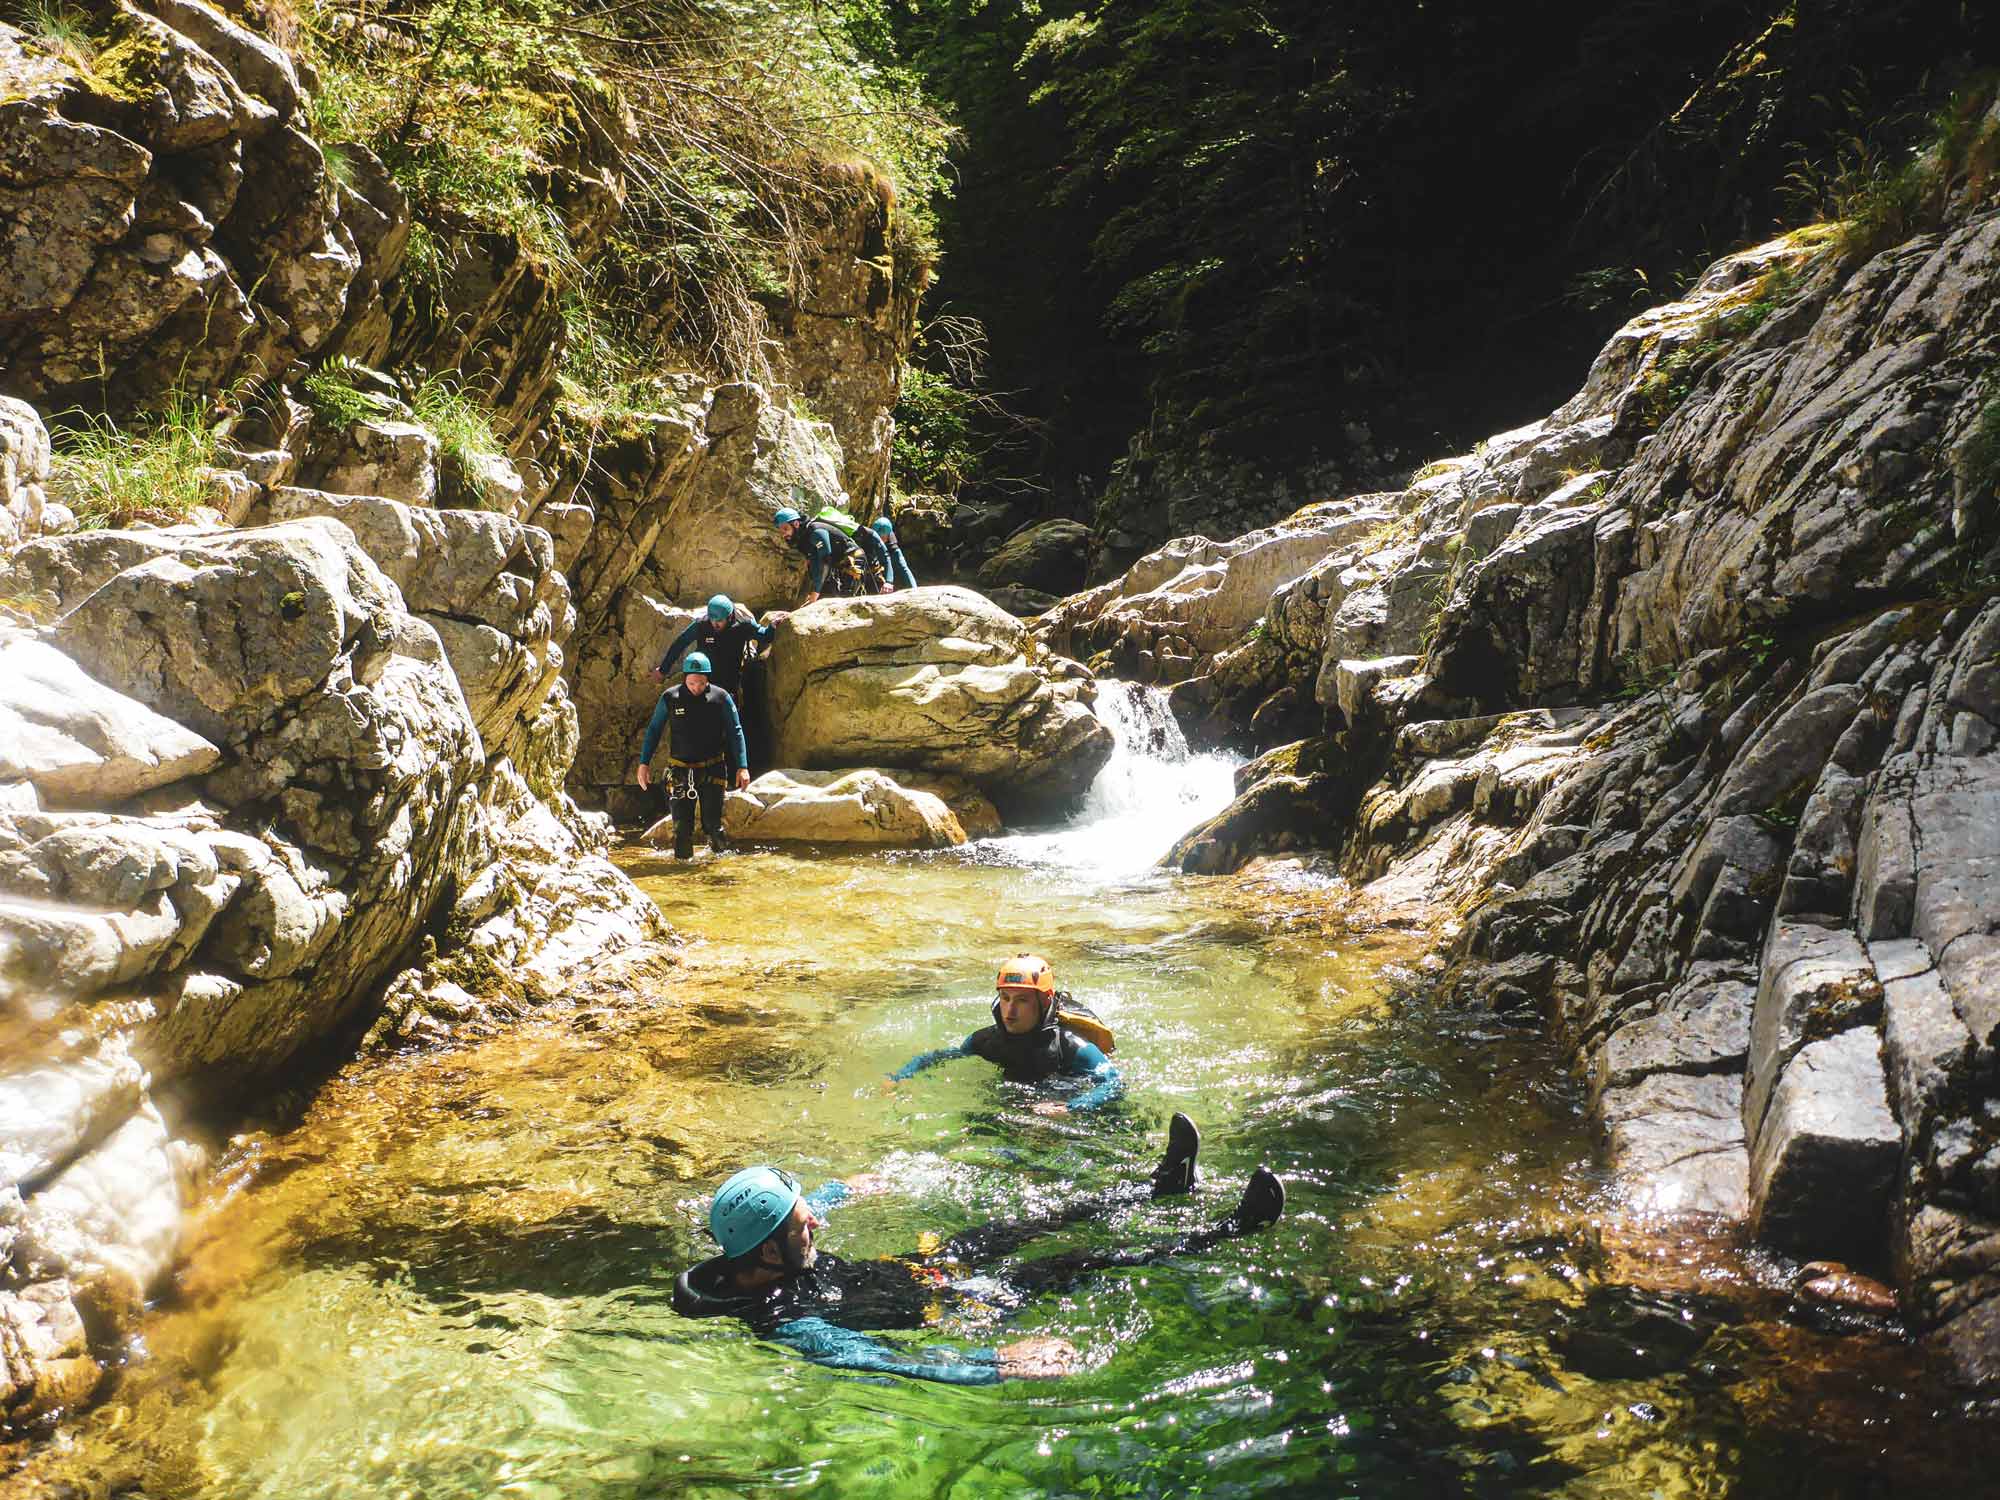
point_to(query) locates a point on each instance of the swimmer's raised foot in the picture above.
(1176, 1172)
(1262, 1203)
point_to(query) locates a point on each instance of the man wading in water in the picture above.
(772, 1275)
(706, 737)
(1038, 1032)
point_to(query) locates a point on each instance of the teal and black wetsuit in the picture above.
(899, 565)
(705, 747)
(827, 548)
(1051, 1050)
(828, 1313)
(724, 645)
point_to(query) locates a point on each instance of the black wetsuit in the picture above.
(835, 558)
(724, 645)
(827, 1312)
(705, 746)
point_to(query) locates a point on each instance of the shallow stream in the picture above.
(451, 1276)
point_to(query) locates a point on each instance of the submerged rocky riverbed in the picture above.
(448, 1273)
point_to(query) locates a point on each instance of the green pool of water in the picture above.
(452, 1277)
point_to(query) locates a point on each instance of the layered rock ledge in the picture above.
(1675, 716)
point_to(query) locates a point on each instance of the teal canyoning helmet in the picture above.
(720, 608)
(884, 525)
(694, 661)
(785, 516)
(749, 1206)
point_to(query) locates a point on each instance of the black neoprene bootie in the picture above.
(1262, 1202)
(1176, 1172)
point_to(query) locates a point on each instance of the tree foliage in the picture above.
(1250, 236)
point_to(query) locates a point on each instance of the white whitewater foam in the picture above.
(1151, 791)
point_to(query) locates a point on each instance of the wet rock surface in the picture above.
(1676, 720)
(937, 679)
(838, 807)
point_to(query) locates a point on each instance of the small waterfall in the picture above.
(1151, 791)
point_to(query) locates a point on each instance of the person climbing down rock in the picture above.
(835, 555)
(727, 634)
(1038, 1032)
(898, 568)
(706, 736)
(773, 1276)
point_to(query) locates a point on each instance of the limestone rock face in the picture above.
(190, 233)
(716, 535)
(936, 679)
(342, 737)
(25, 511)
(1683, 702)
(1175, 610)
(839, 807)
(77, 741)
(842, 336)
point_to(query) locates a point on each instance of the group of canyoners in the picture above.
(700, 715)
(771, 1273)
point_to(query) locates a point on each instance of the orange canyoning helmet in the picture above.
(1024, 971)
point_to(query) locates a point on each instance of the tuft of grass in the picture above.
(463, 427)
(336, 397)
(155, 469)
(1879, 200)
(62, 31)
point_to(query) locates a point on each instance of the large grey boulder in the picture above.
(487, 585)
(1824, 1162)
(78, 741)
(863, 806)
(1050, 557)
(934, 679)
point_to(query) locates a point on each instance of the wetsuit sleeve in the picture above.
(924, 1060)
(762, 634)
(679, 648)
(839, 1348)
(739, 751)
(819, 553)
(654, 729)
(1092, 1063)
(827, 1197)
(899, 567)
(871, 544)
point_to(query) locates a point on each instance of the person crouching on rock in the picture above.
(1038, 1032)
(705, 739)
(899, 572)
(833, 558)
(772, 1275)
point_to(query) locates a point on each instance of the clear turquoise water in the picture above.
(453, 1277)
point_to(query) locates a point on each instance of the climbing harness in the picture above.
(683, 777)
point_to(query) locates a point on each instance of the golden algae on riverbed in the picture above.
(450, 1278)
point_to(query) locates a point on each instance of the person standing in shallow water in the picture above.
(1038, 1033)
(773, 1276)
(705, 743)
